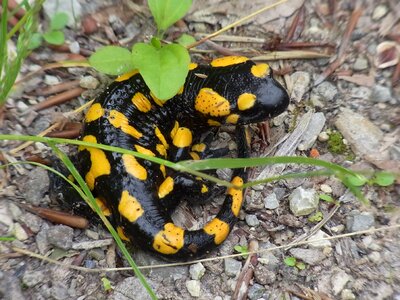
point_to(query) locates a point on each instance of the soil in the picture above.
(340, 64)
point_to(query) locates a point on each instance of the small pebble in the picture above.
(326, 188)
(375, 257)
(360, 64)
(197, 271)
(379, 12)
(89, 82)
(252, 220)
(20, 232)
(51, 80)
(271, 201)
(347, 295)
(21, 106)
(74, 47)
(193, 287)
(323, 136)
(338, 228)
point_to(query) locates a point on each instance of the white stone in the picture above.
(193, 287)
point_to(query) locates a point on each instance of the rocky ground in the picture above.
(344, 109)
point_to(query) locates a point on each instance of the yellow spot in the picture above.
(141, 102)
(212, 122)
(161, 149)
(210, 102)
(181, 90)
(156, 100)
(99, 162)
(199, 147)
(133, 167)
(175, 129)
(237, 195)
(169, 240)
(119, 120)
(228, 61)
(121, 234)
(95, 112)
(204, 189)
(100, 202)
(183, 137)
(71, 178)
(143, 150)
(194, 155)
(192, 66)
(166, 187)
(246, 101)
(163, 171)
(260, 70)
(232, 119)
(126, 76)
(161, 137)
(129, 207)
(218, 228)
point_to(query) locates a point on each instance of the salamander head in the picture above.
(266, 99)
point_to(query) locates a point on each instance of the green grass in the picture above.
(10, 65)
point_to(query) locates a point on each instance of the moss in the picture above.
(335, 143)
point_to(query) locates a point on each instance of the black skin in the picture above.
(230, 82)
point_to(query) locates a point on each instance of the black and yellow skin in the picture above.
(139, 195)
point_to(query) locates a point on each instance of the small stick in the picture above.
(58, 99)
(58, 88)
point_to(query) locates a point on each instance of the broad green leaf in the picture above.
(112, 60)
(384, 178)
(290, 261)
(106, 284)
(163, 69)
(357, 180)
(54, 37)
(326, 198)
(167, 12)
(186, 40)
(59, 21)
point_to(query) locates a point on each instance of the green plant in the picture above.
(10, 63)
(54, 34)
(318, 216)
(106, 284)
(242, 249)
(164, 67)
(293, 262)
(335, 143)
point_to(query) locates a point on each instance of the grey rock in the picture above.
(131, 288)
(324, 92)
(197, 271)
(232, 267)
(279, 192)
(314, 128)
(60, 236)
(379, 12)
(72, 8)
(59, 291)
(19, 232)
(362, 135)
(339, 281)
(32, 221)
(51, 80)
(357, 221)
(375, 257)
(10, 287)
(252, 220)
(97, 254)
(269, 260)
(32, 278)
(381, 93)
(263, 275)
(361, 92)
(360, 64)
(303, 202)
(271, 201)
(41, 239)
(309, 256)
(301, 82)
(86, 245)
(256, 291)
(347, 294)
(193, 287)
(35, 187)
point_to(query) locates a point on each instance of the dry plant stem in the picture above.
(356, 14)
(248, 17)
(58, 99)
(220, 49)
(57, 217)
(295, 24)
(58, 88)
(247, 273)
(86, 270)
(396, 75)
(67, 134)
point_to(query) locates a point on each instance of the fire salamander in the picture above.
(139, 195)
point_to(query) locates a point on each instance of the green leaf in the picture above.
(35, 41)
(54, 37)
(318, 216)
(357, 180)
(384, 178)
(186, 40)
(7, 238)
(112, 60)
(290, 261)
(59, 21)
(106, 284)
(326, 198)
(163, 69)
(300, 265)
(167, 12)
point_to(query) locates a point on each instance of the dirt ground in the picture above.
(340, 63)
